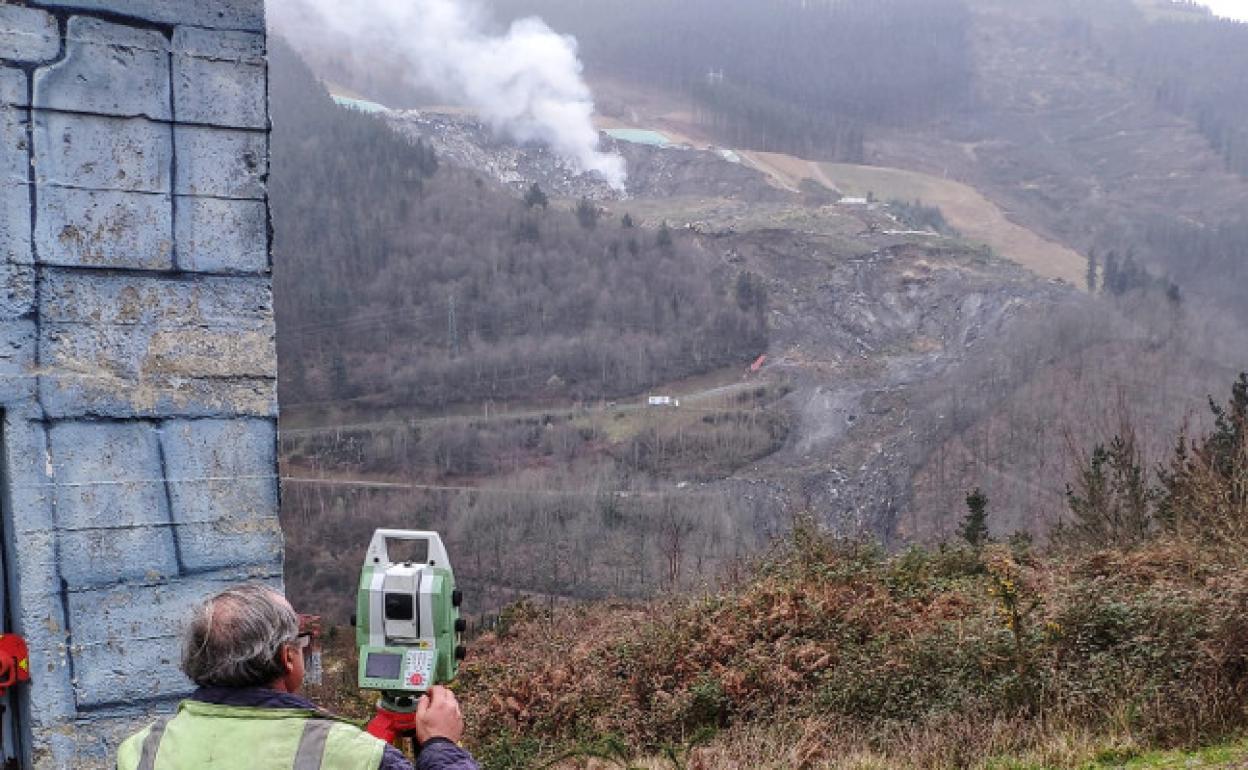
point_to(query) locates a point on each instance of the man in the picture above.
(244, 650)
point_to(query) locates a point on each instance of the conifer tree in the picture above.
(664, 239)
(535, 197)
(587, 214)
(1205, 478)
(1230, 428)
(1109, 282)
(975, 525)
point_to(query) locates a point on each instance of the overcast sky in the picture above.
(1234, 9)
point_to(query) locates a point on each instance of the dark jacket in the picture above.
(436, 754)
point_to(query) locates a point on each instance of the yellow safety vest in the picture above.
(205, 736)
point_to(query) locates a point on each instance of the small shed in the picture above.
(663, 401)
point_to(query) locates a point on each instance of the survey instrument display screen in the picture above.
(383, 665)
(410, 668)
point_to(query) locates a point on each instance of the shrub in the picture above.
(1149, 644)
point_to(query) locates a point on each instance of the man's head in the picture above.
(245, 636)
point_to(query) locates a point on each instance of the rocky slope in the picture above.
(653, 171)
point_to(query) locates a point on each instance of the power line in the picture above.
(413, 422)
(359, 484)
(149, 480)
(307, 328)
(412, 486)
(511, 328)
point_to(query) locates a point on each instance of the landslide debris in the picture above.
(654, 172)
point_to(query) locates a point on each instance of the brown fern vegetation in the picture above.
(1130, 631)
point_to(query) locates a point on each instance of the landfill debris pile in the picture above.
(654, 172)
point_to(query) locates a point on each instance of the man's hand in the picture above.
(438, 716)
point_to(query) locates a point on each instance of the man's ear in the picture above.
(289, 651)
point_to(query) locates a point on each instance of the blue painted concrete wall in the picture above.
(137, 358)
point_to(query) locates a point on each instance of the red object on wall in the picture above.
(14, 661)
(757, 366)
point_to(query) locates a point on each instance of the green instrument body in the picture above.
(408, 627)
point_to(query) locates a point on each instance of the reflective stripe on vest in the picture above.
(307, 757)
(312, 744)
(151, 745)
(233, 738)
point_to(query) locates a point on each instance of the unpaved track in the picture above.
(787, 171)
(781, 174)
(689, 400)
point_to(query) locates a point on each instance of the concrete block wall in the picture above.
(137, 357)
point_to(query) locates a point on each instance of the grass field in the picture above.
(786, 170)
(968, 211)
(1224, 757)
(1230, 756)
(964, 207)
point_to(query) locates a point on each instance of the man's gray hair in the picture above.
(235, 637)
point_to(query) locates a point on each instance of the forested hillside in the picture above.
(792, 75)
(493, 323)
(1196, 69)
(1007, 532)
(1091, 120)
(478, 345)
(814, 77)
(404, 282)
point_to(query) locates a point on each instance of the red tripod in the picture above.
(396, 719)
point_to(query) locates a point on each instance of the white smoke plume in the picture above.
(526, 83)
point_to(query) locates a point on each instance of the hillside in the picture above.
(1074, 137)
(1070, 137)
(835, 657)
(906, 360)
(1125, 637)
(492, 297)
(530, 429)
(775, 568)
(903, 367)
(1065, 115)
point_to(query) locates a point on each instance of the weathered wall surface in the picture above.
(137, 360)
